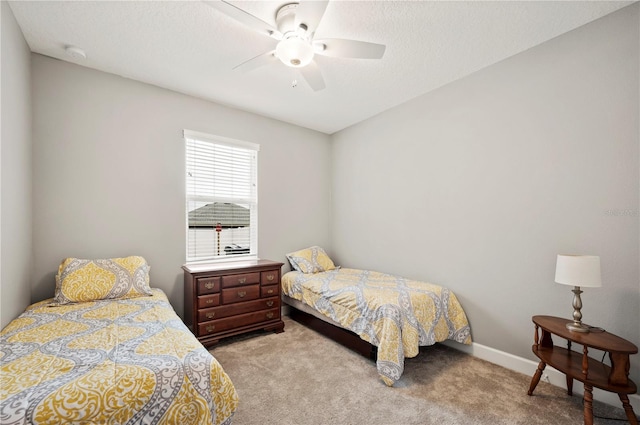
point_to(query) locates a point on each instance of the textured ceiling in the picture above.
(190, 47)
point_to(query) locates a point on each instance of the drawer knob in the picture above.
(209, 285)
(270, 277)
(211, 315)
(241, 294)
(269, 315)
(270, 291)
(209, 301)
(242, 280)
(210, 328)
(269, 303)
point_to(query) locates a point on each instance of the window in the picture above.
(222, 197)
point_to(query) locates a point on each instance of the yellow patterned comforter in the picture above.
(395, 314)
(120, 361)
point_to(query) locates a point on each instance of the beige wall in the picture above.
(15, 173)
(481, 183)
(109, 173)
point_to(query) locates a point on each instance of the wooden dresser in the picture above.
(225, 299)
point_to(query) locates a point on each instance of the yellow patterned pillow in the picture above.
(311, 260)
(89, 280)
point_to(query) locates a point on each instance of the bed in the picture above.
(108, 349)
(393, 314)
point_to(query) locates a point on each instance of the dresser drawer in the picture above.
(207, 314)
(269, 291)
(237, 308)
(232, 322)
(208, 285)
(270, 277)
(240, 279)
(205, 301)
(241, 293)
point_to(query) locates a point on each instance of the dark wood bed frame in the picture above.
(342, 336)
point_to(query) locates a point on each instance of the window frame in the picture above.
(252, 201)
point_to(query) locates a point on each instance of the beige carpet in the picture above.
(300, 377)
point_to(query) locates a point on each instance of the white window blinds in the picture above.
(221, 197)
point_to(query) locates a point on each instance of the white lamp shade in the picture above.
(294, 52)
(578, 270)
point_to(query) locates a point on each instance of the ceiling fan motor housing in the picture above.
(286, 18)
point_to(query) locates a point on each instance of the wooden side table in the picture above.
(576, 365)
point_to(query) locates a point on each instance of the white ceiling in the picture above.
(191, 48)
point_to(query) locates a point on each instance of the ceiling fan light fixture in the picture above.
(294, 52)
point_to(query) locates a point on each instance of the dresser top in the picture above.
(230, 265)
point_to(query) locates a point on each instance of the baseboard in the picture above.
(528, 367)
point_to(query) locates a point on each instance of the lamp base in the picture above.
(578, 327)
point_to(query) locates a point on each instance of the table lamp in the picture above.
(578, 271)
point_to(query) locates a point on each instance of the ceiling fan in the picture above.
(295, 29)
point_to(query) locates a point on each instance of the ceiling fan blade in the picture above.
(310, 13)
(341, 48)
(313, 76)
(244, 18)
(256, 62)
